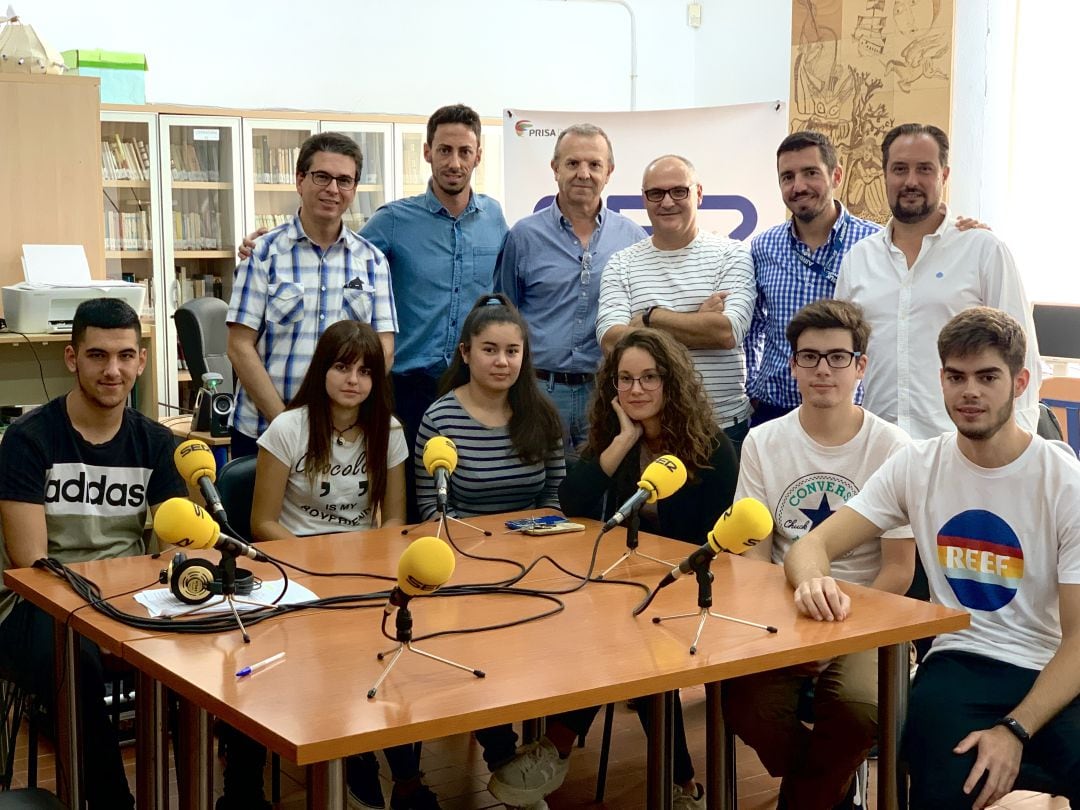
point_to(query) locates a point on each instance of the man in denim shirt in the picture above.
(550, 267)
(300, 278)
(442, 247)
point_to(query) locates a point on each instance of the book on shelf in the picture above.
(127, 230)
(124, 159)
(197, 161)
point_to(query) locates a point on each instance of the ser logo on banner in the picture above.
(709, 202)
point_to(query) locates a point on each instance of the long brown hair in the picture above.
(346, 342)
(686, 420)
(535, 428)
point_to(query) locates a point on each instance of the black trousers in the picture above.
(27, 654)
(956, 693)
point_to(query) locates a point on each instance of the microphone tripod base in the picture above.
(629, 554)
(703, 615)
(395, 654)
(232, 602)
(442, 518)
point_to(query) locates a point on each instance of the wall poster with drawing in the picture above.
(859, 67)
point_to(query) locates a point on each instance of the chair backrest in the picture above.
(203, 334)
(236, 485)
(30, 799)
(1062, 395)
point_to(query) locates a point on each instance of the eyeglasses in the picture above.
(836, 358)
(657, 194)
(586, 267)
(322, 179)
(649, 381)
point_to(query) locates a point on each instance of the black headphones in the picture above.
(194, 581)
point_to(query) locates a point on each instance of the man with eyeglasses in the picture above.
(695, 285)
(550, 267)
(830, 447)
(300, 278)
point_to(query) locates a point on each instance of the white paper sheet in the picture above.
(160, 601)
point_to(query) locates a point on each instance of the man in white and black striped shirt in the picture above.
(696, 286)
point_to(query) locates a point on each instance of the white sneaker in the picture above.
(530, 776)
(681, 800)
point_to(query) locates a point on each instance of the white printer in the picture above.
(57, 281)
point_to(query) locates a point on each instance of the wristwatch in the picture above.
(1017, 730)
(648, 315)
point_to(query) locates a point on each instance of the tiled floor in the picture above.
(454, 768)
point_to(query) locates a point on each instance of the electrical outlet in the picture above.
(693, 15)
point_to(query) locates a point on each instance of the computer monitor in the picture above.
(1057, 328)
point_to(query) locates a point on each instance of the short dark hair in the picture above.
(978, 328)
(936, 133)
(453, 114)
(804, 139)
(830, 313)
(337, 142)
(103, 313)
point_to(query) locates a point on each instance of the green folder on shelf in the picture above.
(123, 75)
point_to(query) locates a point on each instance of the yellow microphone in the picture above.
(745, 524)
(196, 465)
(660, 479)
(440, 461)
(182, 523)
(424, 567)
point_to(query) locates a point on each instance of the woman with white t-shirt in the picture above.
(334, 461)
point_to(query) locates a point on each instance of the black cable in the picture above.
(41, 369)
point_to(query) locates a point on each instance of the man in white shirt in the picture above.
(916, 274)
(696, 286)
(830, 447)
(995, 512)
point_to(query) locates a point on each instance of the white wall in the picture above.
(411, 56)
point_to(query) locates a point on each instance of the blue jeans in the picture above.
(572, 403)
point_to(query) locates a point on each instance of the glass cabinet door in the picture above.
(374, 187)
(271, 149)
(202, 201)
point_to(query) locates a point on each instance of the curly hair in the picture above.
(686, 418)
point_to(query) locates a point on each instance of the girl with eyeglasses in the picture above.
(649, 402)
(507, 432)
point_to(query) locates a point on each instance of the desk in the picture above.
(313, 709)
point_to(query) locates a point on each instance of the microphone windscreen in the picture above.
(183, 523)
(193, 460)
(425, 566)
(440, 453)
(742, 526)
(663, 477)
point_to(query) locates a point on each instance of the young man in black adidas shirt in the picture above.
(77, 477)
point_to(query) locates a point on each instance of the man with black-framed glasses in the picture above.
(830, 447)
(695, 285)
(298, 279)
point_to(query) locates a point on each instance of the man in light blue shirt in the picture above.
(441, 246)
(550, 267)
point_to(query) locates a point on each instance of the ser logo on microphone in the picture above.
(670, 463)
(200, 513)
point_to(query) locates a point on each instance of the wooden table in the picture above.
(313, 708)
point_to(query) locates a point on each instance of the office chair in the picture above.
(236, 485)
(29, 799)
(1064, 393)
(203, 335)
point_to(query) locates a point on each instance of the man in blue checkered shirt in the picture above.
(300, 278)
(795, 264)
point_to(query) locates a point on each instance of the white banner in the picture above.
(732, 148)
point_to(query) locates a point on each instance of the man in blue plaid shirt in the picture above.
(795, 264)
(300, 278)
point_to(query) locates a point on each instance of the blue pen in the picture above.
(260, 664)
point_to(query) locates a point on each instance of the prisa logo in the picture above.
(524, 128)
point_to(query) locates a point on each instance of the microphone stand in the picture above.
(704, 581)
(632, 525)
(442, 517)
(403, 625)
(227, 569)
